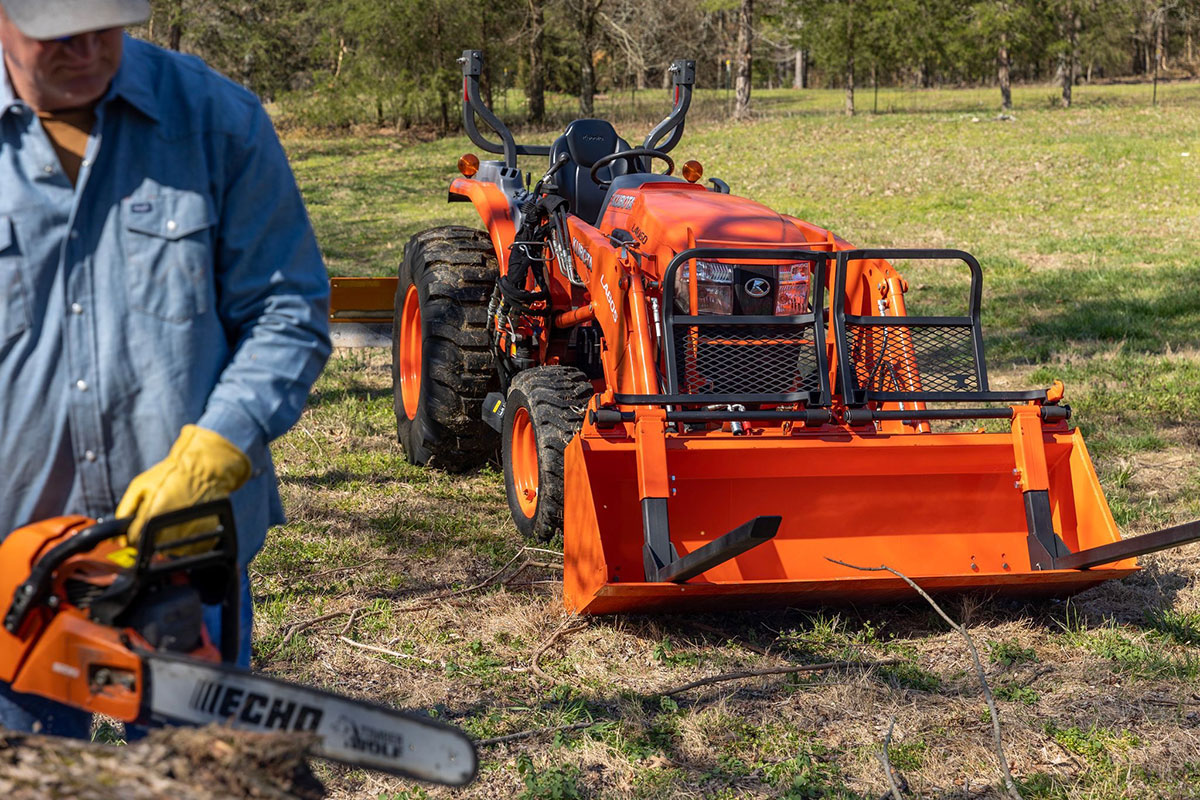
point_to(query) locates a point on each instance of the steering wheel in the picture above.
(637, 152)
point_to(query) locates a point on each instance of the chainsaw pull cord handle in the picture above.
(34, 590)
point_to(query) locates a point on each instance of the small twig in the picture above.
(753, 648)
(542, 550)
(486, 582)
(561, 632)
(296, 627)
(513, 737)
(1037, 674)
(754, 673)
(882, 755)
(336, 570)
(349, 622)
(1006, 770)
(308, 433)
(386, 651)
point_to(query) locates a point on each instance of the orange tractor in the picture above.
(715, 402)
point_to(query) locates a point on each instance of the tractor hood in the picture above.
(666, 216)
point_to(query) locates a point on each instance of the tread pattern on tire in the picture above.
(555, 397)
(454, 269)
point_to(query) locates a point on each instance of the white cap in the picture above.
(53, 19)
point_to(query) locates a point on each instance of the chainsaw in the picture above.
(99, 626)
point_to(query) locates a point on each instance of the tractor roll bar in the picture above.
(683, 75)
(472, 68)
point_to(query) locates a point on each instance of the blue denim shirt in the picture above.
(178, 282)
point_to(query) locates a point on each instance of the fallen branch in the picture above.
(489, 580)
(385, 651)
(754, 673)
(561, 632)
(296, 627)
(1006, 770)
(882, 755)
(1039, 673)
(513, 737)
(336, 570)
(349, 622)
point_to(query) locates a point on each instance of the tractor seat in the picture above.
(586, 141)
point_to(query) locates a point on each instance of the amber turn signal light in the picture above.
(692, 171)
(468, 165)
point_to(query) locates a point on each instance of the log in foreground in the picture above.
(179, 763)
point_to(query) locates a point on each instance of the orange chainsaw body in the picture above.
(59, 651)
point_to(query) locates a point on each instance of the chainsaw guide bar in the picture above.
(350, 731)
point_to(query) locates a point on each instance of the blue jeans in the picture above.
(22, 712)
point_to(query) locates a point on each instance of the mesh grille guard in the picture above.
(739, 359)
(913, 358)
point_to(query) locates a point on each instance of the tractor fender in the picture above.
(495, 212)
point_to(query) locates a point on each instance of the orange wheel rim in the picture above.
(409, 357)
(524, 462)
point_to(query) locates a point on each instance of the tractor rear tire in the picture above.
(442, 361)
(543, 412)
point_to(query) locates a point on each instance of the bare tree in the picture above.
(535, 87)
(745, 52)
(586, 15)
(1004, 65)
(849, 58)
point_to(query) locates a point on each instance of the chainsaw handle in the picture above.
(34, 589)
(222, 557)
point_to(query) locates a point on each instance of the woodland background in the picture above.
(342, 63)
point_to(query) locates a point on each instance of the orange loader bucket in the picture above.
(946, 509)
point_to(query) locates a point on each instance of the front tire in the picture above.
(543, 412)
(442, 363)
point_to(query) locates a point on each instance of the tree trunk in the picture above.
(535, 88)
(1160, 59)
(745, 49)
(1070, 52)
(174, 36)
(798, 72)
(875, 87)
(586, 15)
(850, 58)
(1003, 73)
(341, 54)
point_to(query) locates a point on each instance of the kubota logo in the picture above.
(581, 252)
(757, 287)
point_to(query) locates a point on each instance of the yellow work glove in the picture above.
(201, 466)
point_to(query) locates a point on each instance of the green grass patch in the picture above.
(1006, 654)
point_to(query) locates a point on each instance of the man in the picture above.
(163, 304)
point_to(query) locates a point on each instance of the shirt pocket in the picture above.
(14, 306)
(168, 242)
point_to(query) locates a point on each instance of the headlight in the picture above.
(791, 292)
(780, 290)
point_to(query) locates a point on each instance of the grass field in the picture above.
(1084, 221)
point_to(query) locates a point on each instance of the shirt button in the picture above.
(90, 455)
(81, 385)
(171, 225)
(74, 234)
(76, 308)
(48, 169)
(86, 163)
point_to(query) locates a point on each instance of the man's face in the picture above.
(55, 75)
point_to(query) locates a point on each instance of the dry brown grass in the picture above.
(1096, 701)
